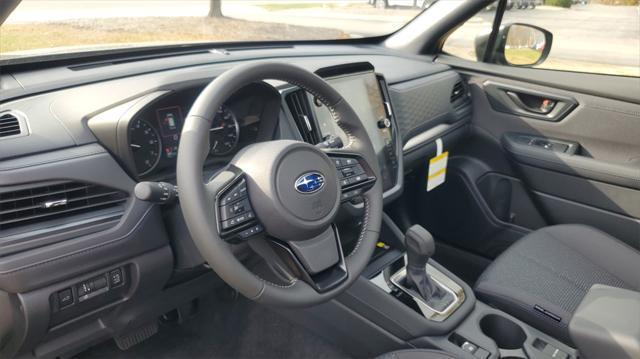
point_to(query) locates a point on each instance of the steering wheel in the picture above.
(280, 196)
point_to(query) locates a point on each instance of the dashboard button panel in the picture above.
(93, 287)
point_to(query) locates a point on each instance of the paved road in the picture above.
(597, 33)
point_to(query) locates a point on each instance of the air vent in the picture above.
(11, 124)
(300, 108)
(44, 203)
(458, 92)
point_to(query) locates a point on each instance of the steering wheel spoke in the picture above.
(235, 218)
(319, 261)
(354, 173)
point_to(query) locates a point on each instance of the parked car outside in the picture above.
(526, 4)
(383, 4)
(493, 5)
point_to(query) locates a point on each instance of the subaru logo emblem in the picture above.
(309, 183)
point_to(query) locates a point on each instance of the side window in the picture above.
(594, 36)
(461, 42)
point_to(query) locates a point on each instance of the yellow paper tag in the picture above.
(437, 170)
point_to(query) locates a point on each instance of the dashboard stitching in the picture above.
(83, 251)
(363, 230)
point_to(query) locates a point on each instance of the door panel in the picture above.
(520, 170)
(607, 130)
(580, 164)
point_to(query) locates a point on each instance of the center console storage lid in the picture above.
(607, 323)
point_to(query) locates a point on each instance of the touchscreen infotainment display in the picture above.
(362, 91)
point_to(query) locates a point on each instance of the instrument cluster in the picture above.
(154, 134)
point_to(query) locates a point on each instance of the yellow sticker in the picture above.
(437, 170)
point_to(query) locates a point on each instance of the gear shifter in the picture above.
(420, 247)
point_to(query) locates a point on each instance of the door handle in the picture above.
(528, 102)
(537, 104)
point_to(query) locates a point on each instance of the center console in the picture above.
(382, 311)
(455, 322)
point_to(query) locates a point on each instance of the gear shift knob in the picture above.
(420, 246)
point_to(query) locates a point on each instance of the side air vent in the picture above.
(458, 92)
(43, 203)
(461, 102)
(300, 108)
(12, 124)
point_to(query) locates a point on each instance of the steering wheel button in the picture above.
(348, 171)
(355, 179)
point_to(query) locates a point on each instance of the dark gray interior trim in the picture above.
(577, 165)
(608, 197)
(609, 86)
(46, 80)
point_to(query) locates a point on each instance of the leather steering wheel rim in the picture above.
(196, 197)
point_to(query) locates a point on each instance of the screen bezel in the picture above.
(361, 67)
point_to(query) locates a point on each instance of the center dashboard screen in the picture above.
(362, 91)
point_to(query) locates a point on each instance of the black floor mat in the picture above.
(238, 329)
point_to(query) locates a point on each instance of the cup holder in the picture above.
(506, 334)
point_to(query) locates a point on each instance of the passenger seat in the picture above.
(542, 278)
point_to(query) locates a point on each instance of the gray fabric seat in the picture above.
(542, 278)
(417, 354)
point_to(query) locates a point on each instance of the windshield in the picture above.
(47, 27)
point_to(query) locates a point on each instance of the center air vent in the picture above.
(300, 108)
(11, 124)
(44, 203)
(458, 91)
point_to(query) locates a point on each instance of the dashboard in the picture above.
(92, 134)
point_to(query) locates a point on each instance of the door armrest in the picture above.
(569, 161)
